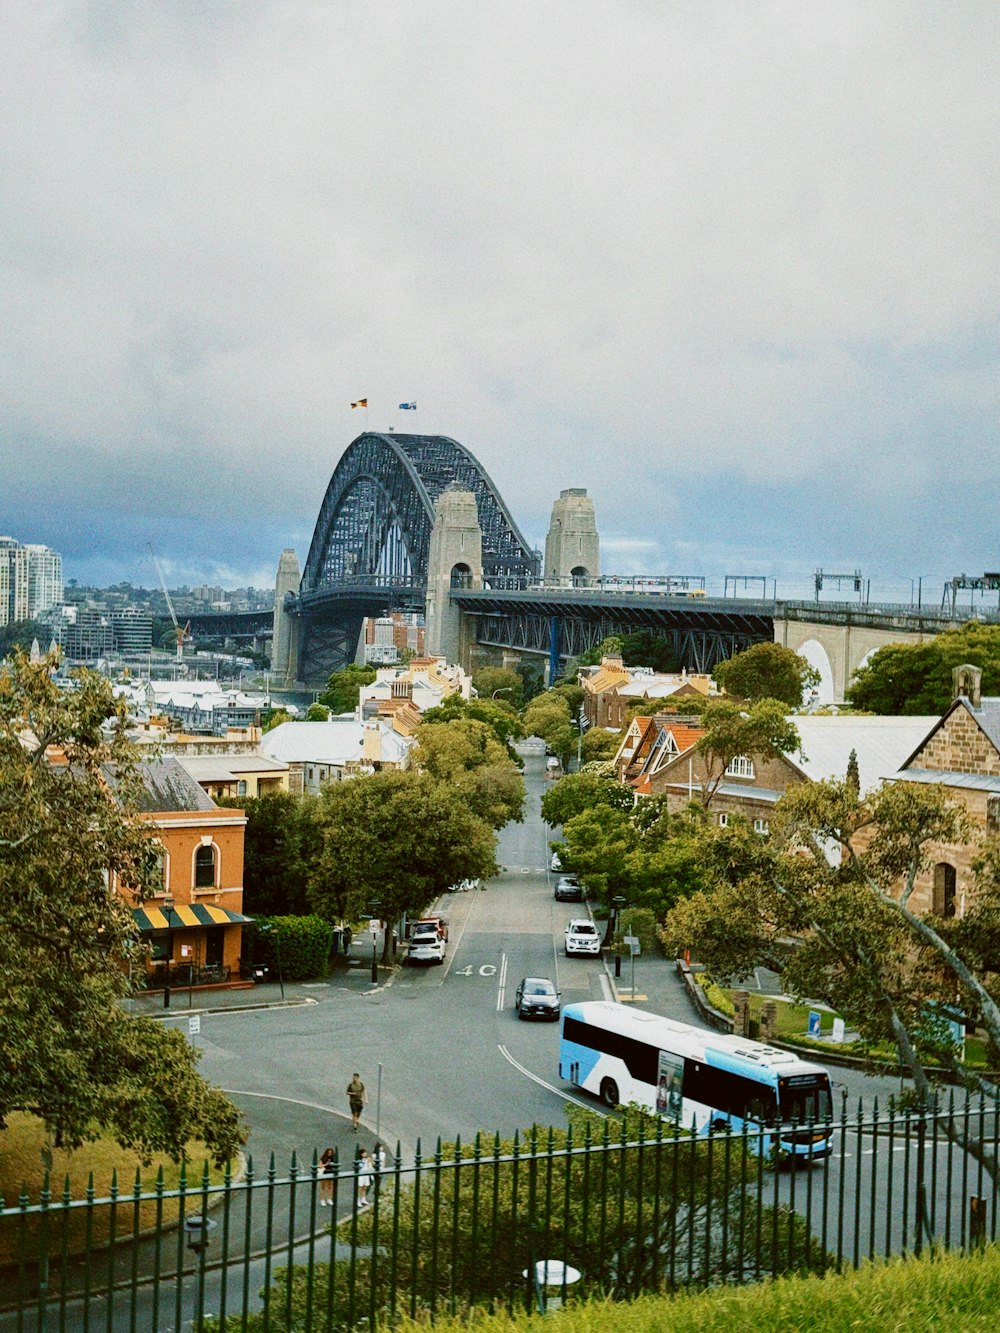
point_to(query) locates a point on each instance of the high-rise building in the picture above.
(45, 579)
(31, 580)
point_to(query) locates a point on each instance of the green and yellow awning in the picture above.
(197, 914)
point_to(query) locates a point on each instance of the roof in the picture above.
(227, 767)
(971, 781)
(883, 744)
(336, 743)
(166, 786)
(986, 717)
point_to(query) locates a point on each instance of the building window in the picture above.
(310, 775)
(241, 789)
(161, 870)
(762, 827)
(944, 889)
(204, 867)
(741, 767)
(723, 820)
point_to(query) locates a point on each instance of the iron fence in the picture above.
(636, 1207)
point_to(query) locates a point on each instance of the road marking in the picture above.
(606, 986)
(587, 1106)
(488, 970)
(502, 982)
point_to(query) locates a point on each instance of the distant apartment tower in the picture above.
(31, 580)
(132, 629)
(387, 637)
(88, 636)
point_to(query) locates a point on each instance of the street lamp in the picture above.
(168, 907)
(504, 689)
(618, 902)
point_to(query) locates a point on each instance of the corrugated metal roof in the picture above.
(882, 744)
(327, 742)
(972, 781)
(167, 786)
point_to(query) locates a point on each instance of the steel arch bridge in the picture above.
(370, 548)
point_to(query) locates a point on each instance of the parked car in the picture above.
(582, 937)
(568, 890)
(536, 997)
(555, 863)
(428, 940)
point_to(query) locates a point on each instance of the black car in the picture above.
(536, 997)
(568, 890)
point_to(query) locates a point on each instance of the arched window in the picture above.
(580, 576)
(944, 889)
(204, 867)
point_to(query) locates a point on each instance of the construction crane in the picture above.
(182, 634)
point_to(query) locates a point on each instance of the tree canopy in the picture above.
(343, 688)
(549, 716)
(398, 839)
(910, 680)
(72, 1054)
(729, 732)
(500, 681)
(466, 755)
(22, 634)
(279, 844)
(767, 671)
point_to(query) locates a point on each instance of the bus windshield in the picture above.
(805, 1102)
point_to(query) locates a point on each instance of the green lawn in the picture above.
(21, 1169)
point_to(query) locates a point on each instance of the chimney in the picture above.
(967, 683)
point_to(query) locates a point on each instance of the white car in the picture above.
(582, 937)
(427, 946)
(555, 864)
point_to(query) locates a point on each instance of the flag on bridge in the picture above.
(362, 402)
(407, 407)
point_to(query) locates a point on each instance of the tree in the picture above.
(69, 831)
(499, 715)
(22, 634)
(317, 712)
(729, 732)
(274, 717)
(635, 1205)
(578, 792)
(913, 679)
(500, 681)
(548, 716)
(598, 744)
(278, 848)
(858, 944)
(466, 754)
(767, 671)
(400, 839)
(343, 688)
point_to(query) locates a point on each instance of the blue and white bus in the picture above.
(713, 1080)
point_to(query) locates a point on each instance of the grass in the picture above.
(22, 1143)
(952, 1292)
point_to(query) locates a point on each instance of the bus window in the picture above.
(805, 1104)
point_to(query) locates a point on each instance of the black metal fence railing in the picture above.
(545, 1219)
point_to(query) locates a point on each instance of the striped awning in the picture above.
(197, 914)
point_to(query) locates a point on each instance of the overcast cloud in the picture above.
(731, 266)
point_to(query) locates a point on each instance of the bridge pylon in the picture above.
(572, 547)
(455, 560)
(285, 636)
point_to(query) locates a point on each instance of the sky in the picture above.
(731, 266)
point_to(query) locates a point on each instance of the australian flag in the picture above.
(407, 407)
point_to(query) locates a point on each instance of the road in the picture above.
(443, 1053)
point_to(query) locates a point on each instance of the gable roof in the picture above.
(166, 787)
(986, 717)
(881, 743)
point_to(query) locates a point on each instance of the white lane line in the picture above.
(587, 1106)
(503, 981)
(603, 978)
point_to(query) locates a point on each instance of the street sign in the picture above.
(374, 926)
(631, 942)
(194, 1025)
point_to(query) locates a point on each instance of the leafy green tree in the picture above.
(279, 843)
(343, 689)
(400, 839)
(69, 832)
(22, 634)
(767, 671)
(274, 717)
(763, 732)
(500, 716)
(598, 744)
(627, 1204)
(500, 681)
(578, 792)
(857, 942)
(548, 716)
(466, 754)
(317, 712)
(910, 680)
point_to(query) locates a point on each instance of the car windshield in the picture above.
(583, 928)
(538, 988)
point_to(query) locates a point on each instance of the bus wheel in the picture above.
(609, 1092)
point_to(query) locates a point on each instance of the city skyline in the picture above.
(732, 269)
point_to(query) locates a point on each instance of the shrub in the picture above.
(304, 943)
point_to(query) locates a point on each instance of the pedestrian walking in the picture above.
(380, 1157)
(366, 1174)
(356, 1098)
(326, 1169)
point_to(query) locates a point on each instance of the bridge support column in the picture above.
(455, 560)
(572, 547)
(285, 635)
